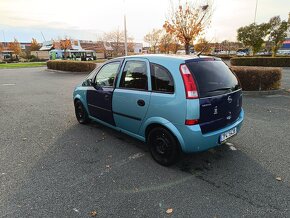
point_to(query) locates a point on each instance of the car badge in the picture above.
(229, 116)
(230, 99)
(215, 111)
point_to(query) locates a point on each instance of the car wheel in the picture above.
(163, 146)
(81, 113)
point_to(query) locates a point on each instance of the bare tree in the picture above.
(188, 21)
(153, 38)
(116, 38)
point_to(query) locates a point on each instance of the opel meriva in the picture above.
(173, 103)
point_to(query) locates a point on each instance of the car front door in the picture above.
(99, 96)
(131, 97)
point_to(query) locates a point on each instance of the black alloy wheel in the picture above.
(163, 146)
(81, 113)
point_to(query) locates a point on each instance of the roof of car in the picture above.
(156, 57)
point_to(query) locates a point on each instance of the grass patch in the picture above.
(22, 65)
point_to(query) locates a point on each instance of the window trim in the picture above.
(115, 78)
(122, 73)
(168, 72)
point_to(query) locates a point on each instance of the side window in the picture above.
(90, 77)
(134, 76)
(107, 74)
(161, 79)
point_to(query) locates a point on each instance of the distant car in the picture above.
(240, 53)
(173, 103)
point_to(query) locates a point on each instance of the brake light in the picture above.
(191, 122)
(189, 83)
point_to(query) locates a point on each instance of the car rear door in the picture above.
(131, 97)
(99, 96)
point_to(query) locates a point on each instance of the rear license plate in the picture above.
(224, 136)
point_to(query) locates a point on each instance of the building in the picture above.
(285, 48)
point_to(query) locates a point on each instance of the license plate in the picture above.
(224, 136)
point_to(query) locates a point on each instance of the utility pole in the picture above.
(256, 11)
(4, 42)
(125, 30)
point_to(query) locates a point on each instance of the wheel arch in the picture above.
(160, 122)
(78, 97)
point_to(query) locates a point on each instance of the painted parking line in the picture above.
(231, 146)
(8, 84)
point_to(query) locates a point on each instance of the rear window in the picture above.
(213, 78)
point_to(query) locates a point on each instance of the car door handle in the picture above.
(141, 102)
(107, 97)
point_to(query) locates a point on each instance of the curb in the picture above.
(66, 72)
(268, 92)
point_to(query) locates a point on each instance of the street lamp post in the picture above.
(256, 11)
(125, 30)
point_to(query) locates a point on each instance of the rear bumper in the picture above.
(195, 141)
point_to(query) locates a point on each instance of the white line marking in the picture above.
(8, 84)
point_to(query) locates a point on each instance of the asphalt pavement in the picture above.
(51, 166)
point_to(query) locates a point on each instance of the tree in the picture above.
(35, 46)
(202, 45)
(65, 44)
(188, 21)
(116, 37)
(253, 35)
(1, 47)
(277, 33)
(153, 38)
(15, 47)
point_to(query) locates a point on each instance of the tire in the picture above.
(163, 146)
(81, 113)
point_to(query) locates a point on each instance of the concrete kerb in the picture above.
(66, 72)
(268, 92)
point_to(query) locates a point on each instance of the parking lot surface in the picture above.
(51, 166)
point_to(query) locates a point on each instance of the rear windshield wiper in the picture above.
(221, 89)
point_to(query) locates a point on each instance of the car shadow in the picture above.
(79, 166)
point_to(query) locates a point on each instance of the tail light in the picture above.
(189, 83)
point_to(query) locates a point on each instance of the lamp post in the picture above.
(256, 11)
(125, 30)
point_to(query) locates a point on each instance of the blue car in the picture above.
(173, 103)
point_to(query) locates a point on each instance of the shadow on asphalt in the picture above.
(80, 163)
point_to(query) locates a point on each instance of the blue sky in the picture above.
(89, 19)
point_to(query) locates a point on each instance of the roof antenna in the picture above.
(205, 47)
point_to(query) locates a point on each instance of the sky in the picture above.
(89, 19)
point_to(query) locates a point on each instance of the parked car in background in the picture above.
(173, 103)
(240, 53)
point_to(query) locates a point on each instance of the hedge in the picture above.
(258, 78)
(72, 66)
(261, 61)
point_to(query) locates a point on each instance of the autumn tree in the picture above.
(202, 45)
(130, 44)
(168, 43)
(188, 21)
(153, 38)
(1, 47)
(253, 35)
(35, 46)
(15, 47)
(65, 44)
(277, 33)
